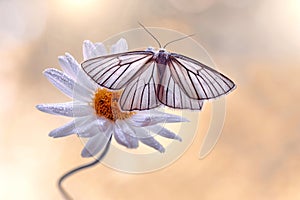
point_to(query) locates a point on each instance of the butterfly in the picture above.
(154, 77)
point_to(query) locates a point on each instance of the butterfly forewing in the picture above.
(117, 70)
(197, 80)
(182, 78)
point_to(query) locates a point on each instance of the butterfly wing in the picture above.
(140, 94)
(170, 93)
(184, 83)
(117, 70)
(197, 80)
(148, 92)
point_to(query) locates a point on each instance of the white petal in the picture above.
(142, 119)
(69, 65)
(80, 109)
(64, 109)
(65, 130)
(84, 80)
(67, 85)
(120, 47)
(146, 138)
(100, 49)
(96, 143)
(68, 109)
(149, 118)
(124, 135)
(168, 118)
(91, 50)
(87, 49)
(93, 127)
(89, 130)
(60, 81)
(159, 130)
(68, 129)
(174, 118)
(83, 126)
(81, 93)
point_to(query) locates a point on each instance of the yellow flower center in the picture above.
(106, 105)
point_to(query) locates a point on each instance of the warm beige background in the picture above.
(255, 42)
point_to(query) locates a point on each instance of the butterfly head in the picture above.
(161, 50)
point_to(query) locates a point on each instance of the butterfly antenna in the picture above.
(150, 34)
(178, 40)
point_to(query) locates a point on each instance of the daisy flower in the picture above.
(96, 112)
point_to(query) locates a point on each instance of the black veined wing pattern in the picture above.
(140, 93)
(116, 70)
(147, 92)
(152, 78)
(170, 93)
(196, 79)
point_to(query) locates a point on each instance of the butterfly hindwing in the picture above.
(170, 93)
(140, 94)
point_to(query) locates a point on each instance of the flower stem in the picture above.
(77, 169)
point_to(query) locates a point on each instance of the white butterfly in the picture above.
(151, 78)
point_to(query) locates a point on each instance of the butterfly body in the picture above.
(154, 77)
(161, 58)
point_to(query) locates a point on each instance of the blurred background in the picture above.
(256, 43)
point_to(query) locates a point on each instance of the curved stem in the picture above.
(77, 169)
